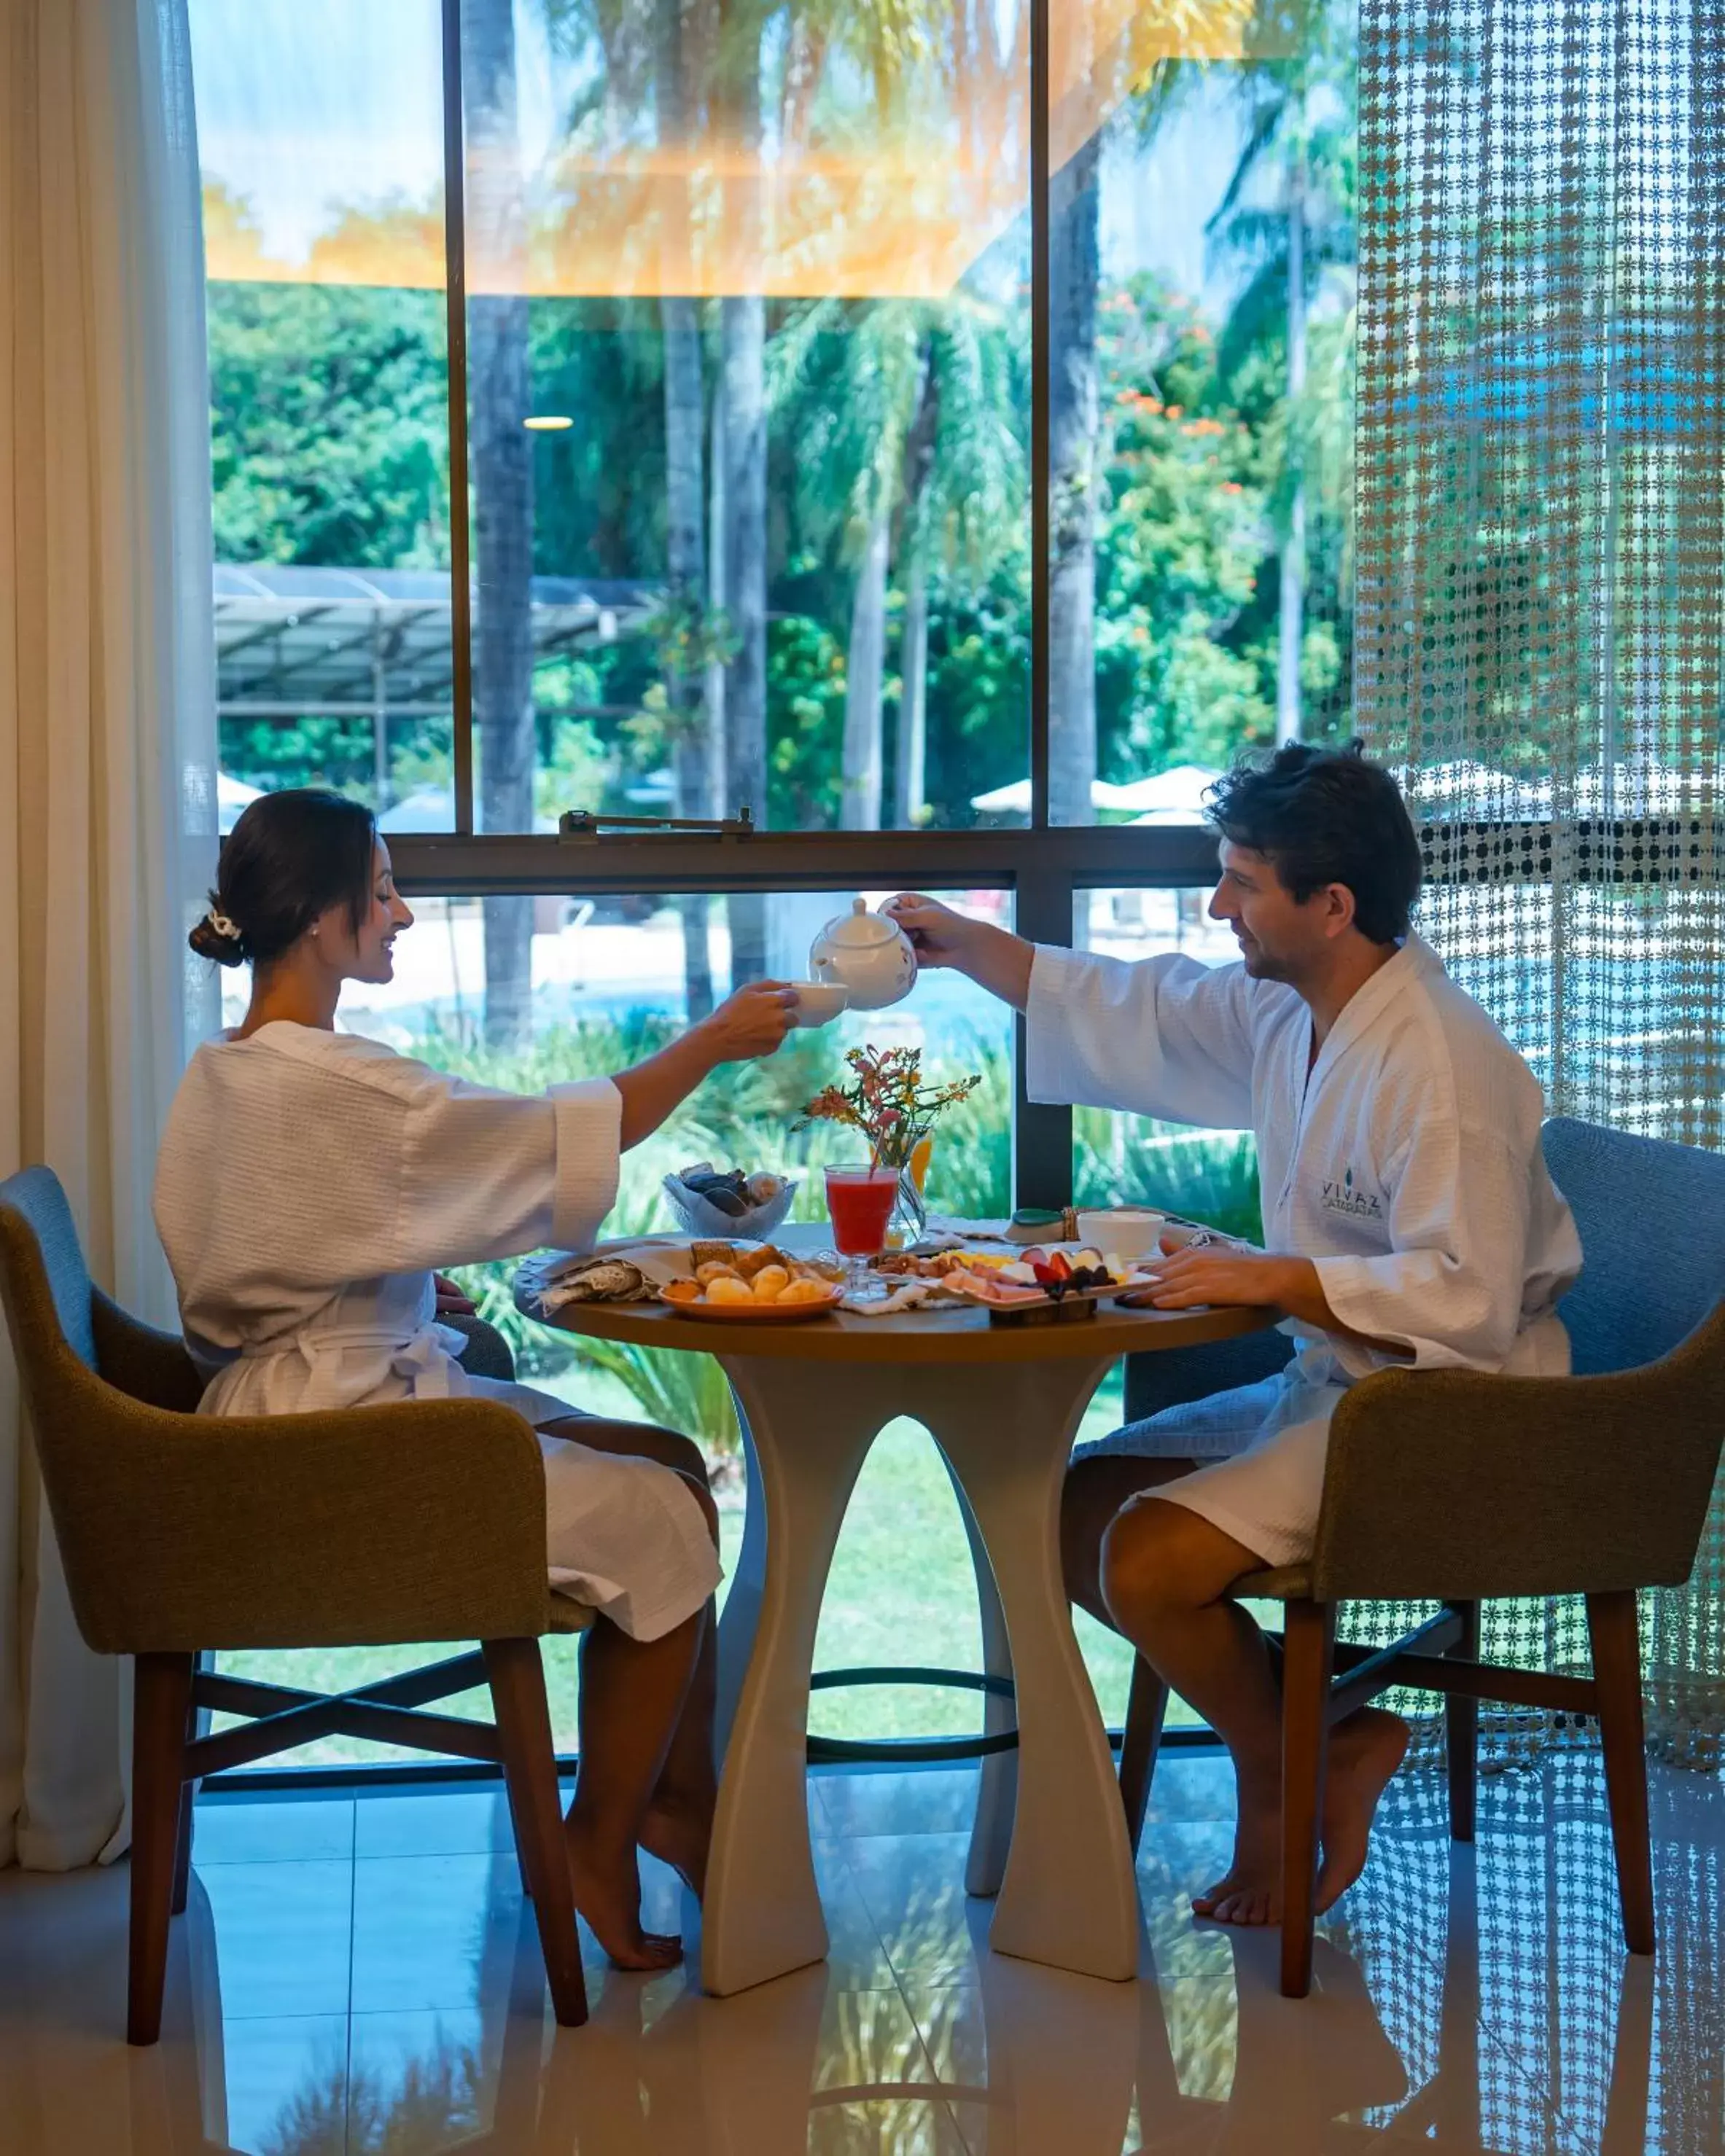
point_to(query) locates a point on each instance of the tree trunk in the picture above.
(502, 460)
(860, 788)
(745, 582)
(911, 772)
(910, 780)
(685, 507)
(1290, 625)
(685, 418)
(1073, 270)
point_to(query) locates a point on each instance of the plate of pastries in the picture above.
(743, 1283)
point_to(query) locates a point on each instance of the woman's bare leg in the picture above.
(675, 1822)
(632, 1692)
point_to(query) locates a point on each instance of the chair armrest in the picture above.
(423, 1520)
(150, 1365)
(1454, 1484)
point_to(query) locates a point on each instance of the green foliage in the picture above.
(329, 425)
(1210, 1176)
(678, 1390)
(806, 723)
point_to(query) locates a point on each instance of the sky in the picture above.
(304, 104)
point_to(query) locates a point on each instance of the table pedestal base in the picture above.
(1056, 1844)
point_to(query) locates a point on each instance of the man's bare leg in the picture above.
(1165, 1572)
(1095, 1491)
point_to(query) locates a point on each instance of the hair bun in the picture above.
(216, 937)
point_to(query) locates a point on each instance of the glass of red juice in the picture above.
(859, 1202)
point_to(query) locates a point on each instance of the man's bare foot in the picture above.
(1364, 1751)
(1251, 1891)
(678, 1831)
(608, 1895)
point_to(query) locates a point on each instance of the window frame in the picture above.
(1042, 865)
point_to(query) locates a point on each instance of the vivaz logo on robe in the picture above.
(1346, 1197)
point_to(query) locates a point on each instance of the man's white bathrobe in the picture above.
(1406, 1166)
(309, 1183)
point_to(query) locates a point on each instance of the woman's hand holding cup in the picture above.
(751, 1023)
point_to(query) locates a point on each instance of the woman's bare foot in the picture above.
(1365, 1751)
(678, 1830)
(608, 1895)
(1251, 1891)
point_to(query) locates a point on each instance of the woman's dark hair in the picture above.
(1322, 816)
(289, 857)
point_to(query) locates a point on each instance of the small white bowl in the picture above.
(818, 1003)
(1131, 1232)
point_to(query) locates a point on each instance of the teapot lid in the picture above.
(859, 928)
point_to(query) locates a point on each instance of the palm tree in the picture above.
(1299, 148)
(502, 464)
(1073, 270)
(901, 411)
(695, 741)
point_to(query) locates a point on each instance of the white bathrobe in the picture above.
(1406, 1166)
(309, 1184)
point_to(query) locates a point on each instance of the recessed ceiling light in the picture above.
(547, 423)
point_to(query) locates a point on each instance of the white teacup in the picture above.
(1129, 1232)
(818, 1003)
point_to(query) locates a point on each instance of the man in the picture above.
(1408, 1219)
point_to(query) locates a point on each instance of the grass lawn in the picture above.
(901, 1591)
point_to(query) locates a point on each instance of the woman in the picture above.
(308, 1184)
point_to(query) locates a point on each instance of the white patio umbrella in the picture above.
(1005, 799)
(1170, 796)
(232, 795)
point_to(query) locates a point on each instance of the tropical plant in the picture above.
(901, 414)
(675, 1389)
(1301, 146)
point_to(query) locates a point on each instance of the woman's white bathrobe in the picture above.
(1406, 1166)
(308, 1184)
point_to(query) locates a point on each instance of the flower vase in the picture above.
(910, 1215)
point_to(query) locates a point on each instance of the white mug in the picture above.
(1129, 1232)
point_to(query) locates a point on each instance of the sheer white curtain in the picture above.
(107, 784)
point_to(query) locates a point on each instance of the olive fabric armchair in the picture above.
(1451, 1487)
(182, 1534)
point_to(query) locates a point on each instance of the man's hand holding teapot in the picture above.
(993, 958)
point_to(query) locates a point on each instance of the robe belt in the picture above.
(423, 1356)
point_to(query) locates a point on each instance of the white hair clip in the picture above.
(222, 926)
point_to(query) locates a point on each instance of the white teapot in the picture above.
(866, 953)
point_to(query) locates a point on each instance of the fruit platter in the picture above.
(1042, 1283)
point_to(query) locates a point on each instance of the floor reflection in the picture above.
(1467, 1999)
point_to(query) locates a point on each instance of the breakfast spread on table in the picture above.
(1038, 1267)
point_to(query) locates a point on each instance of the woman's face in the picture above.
(367, 955)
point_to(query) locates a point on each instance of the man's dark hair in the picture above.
(1322, 816)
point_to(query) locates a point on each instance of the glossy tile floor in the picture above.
(359, 1976)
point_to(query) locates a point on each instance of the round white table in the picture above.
(1002, 1404)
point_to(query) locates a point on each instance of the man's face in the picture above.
(1280, 938)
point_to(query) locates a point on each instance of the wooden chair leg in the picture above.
(518, 1682)
(1461, 1732)
(189, 1798)
(182, 1850)
(1146, 1704)
(1308, 1656)
(1615, 1630)
(161, 1696)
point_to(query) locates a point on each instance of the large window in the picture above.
(923, 431)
